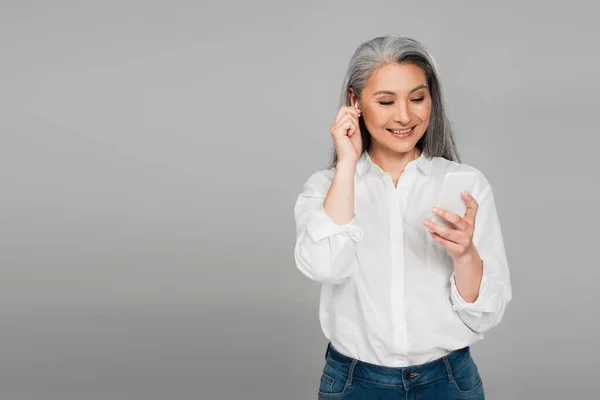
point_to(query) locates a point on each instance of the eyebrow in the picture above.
(393, 93)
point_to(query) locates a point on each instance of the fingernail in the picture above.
(435, 209)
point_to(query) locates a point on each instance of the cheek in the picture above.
(379, 117)
(424, 111)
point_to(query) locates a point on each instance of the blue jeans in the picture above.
(454, 376)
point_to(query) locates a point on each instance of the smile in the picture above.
(403, 132)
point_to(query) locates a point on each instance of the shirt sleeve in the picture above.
(325, 251)
(495, 290)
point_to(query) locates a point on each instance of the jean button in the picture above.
(410, 375)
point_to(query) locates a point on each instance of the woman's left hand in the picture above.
(459, 241)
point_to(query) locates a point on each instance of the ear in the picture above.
(352, 96)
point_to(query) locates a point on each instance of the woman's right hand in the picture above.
(345, 133)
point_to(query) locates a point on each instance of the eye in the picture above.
(389, 103)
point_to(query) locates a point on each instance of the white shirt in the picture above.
(388, 294)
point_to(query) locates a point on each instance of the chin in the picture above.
(403, 146)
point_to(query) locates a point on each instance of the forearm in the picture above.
(468, 271)
(339, 202)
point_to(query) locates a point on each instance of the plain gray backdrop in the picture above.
(151, 154)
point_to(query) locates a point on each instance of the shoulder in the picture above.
(441, 166)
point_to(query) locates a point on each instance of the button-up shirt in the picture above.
(388, 294)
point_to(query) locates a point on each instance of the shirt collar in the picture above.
(365, 165)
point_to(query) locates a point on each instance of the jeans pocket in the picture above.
(333, 382)
(466, 379)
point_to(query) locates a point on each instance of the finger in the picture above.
(352, 132)
(344, 111)
(448, 234)
(472, 207)
(453, 247)
(353, 110)
(453, 218)
(344, 121)
(353, 128)
(347, 116)
(347, 123)
(339, 115)
(344, 129)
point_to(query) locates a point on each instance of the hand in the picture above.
(345, 133)
(459, 241)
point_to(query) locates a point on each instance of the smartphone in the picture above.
(450, 197)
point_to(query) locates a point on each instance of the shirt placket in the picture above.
(397, 269)
(397, 197)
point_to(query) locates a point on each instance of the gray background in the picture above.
(151, 154)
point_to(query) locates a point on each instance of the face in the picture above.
(395, 99)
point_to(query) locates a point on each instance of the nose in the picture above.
(401, 113)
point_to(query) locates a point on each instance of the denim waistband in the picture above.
(414, 375)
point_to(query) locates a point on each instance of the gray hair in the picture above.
(370, 56)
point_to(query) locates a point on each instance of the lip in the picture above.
(403, 135)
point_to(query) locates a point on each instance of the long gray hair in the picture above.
(438, 139)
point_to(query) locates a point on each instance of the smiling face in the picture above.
(396, 106)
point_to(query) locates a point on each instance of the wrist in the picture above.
(469, 258)
(346, 166)
(347, 161)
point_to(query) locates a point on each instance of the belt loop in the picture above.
(327, 350)
(351, 372)
(448, 369)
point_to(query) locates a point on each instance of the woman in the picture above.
(402, 298)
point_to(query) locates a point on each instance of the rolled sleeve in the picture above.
(325, 251)
(488, 289)
(320, 226)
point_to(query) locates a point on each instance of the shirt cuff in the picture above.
(484, 301)
(320, 226)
